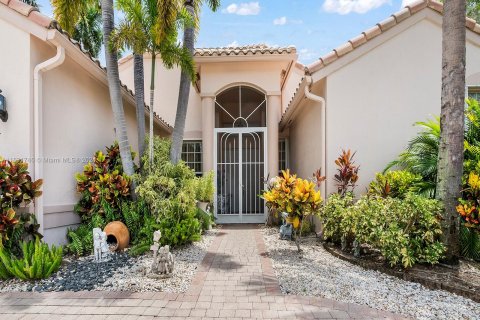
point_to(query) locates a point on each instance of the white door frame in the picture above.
(241, 217)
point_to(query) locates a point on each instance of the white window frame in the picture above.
(286, 152)
(192, 164)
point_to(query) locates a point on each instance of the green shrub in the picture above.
(406, 231)
(307, 227)
(205, 188)
(332, 214)
(177, 232)
(141, 224)
(205, 219)
(39, 261)
(170, 192)
(395, 184)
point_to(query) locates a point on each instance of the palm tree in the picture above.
(139, 85)
(193, 8)
(450, 155)
(88, 30)
(68, 13)
(421, 156)
(152, 26)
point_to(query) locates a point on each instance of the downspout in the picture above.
(309, 95)
(38, 71)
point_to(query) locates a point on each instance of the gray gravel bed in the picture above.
(315, 272)
(121, 273)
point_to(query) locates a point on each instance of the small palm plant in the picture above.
(421, 156)
(152, 26)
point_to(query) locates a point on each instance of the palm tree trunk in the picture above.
(152, 97)
(450, 156)
(183, 94)
(114, 88)
(138, 79)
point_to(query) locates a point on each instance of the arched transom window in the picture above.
(239, 107)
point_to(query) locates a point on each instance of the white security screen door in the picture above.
(240, 155)
(240, 173)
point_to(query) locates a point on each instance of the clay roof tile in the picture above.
(401, 15)
(372, 32)
(387, 23)
(417, 6)
(358, 40)
(21, 7)
(255, 49)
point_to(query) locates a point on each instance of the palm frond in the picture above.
(88, 30)
(68, 12)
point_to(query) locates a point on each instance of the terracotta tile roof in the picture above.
(250, 50)
(380, 28)
(34, 15)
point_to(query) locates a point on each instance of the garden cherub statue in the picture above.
(163, 260)
(100, 247)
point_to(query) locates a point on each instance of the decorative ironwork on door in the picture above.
(240, 172)
(240, 120)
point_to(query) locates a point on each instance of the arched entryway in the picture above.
(240, 154)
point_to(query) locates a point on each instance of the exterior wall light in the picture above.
(3, 108)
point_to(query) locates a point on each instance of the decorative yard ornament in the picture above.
(286, 229)
(163, 260)
(156, 238)
(100, 247)
(3, 108)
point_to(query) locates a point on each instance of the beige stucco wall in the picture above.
(373, 101)
(15, 142)
(263, 75)
(77, 121)
(305, 137)
(166, 95)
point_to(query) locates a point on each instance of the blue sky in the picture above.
(313, 26)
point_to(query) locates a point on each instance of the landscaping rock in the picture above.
(121, 273)
(315, 272)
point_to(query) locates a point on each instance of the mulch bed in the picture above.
(464, 281)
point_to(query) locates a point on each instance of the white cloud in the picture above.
(280, 21)
(306, 55)
(347, 6)
(406, 2)
(233, 44)
(243, 9)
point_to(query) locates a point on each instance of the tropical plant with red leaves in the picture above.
(347, 173)
(16, 189)
(103, 185)
(318, 178)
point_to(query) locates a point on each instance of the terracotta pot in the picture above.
(118, 236)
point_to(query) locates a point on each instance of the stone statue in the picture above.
(155, 248)
(286, 229)
(100, 247)
(163, 260)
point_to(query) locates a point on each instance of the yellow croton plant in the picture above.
(298, 197)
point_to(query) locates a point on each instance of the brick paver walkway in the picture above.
(235, 281)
